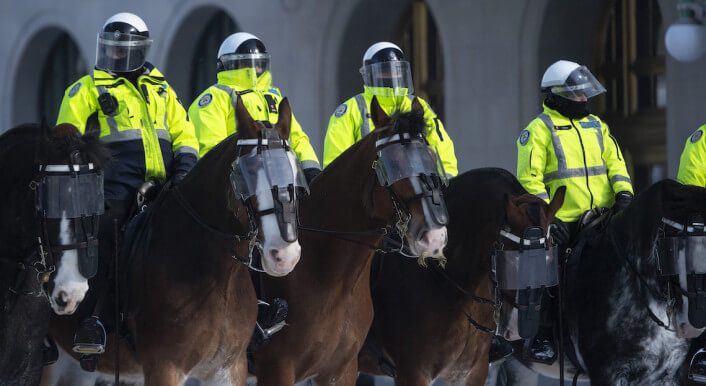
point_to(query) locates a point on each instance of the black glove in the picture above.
(560, 232)
(178, 177)
(622, 200)
(310, 173)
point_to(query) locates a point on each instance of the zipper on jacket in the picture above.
(585, 164)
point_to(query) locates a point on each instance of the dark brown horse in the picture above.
(196, 306)
(330, 309)
(38, 267)
(437, 322)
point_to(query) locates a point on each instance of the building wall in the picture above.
(494, 54)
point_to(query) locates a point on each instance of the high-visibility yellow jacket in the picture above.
(580, 154)
(213, 115)
(692, 164)
(148, 134)
(351, 122)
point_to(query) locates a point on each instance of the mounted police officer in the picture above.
(692, 171)
(568, 146)
(386, 75)
(147, 131)
(244, 72)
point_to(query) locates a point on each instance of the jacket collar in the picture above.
(387, 103)
(104, 78)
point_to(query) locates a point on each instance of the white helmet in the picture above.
(123, 43)
(571, 81)
(244, 51)
(385, 71)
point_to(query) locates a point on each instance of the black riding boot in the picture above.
(697, 367)
(270, 319)
(89, 341)
(499, 350)
(541, 348)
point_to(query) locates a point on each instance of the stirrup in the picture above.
(90, 337)
(548, 356)
(697, 367)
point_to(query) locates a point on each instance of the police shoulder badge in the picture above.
(340, 110)
(697, 135)
(524, 137)
(74, 89)
(205, 100)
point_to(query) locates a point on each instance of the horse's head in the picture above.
(266, 178)
(69, 201)
(525, 262)
(674, 215)
(409, 179)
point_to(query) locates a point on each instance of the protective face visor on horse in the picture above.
(73, 192)
(402, 156)
(271, 166)
(682, 251)
(533, 266)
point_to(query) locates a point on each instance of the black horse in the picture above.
(618, 315)
(30, 250)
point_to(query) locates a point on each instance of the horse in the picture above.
(352, 204)
(193, 307)
(625, 323)
(437, 322)
(40, 251)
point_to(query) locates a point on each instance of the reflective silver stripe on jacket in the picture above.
(562, 170)
(112, 125)
(543, 195)
(164, 134)
(187, 150)
(619, 178)
(233, 99)
(363, 108)
(123, 135)
(308, 164)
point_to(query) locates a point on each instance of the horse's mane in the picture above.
(57, 143)
(410, 122)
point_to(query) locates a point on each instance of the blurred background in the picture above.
(477, 62)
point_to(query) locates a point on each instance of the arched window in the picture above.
(629, 53)
(219, 26)
(419, 39)
(63, 65)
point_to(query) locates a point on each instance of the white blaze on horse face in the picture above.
(430, 239)
(508, 326)
(280, 256)
(69, 285)
(681, 317)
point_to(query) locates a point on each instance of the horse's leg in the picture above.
(411, 376)
(478, 374)
(348, 376)
(239, 372)
(162, 373)
(275, 376)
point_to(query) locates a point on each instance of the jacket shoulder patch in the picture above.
(340, 110)
(205, 100)
(74, 89)
(590, 125)
(524, 137)
(696, 136)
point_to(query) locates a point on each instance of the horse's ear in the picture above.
(417, 107)
(245, 123)
(557, 201)
(93, 127)
(378, 115)
(45, 135)
(284, 123)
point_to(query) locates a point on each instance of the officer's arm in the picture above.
(439, 139)
(340, 134)
(617, 171)
(301, 146)
(184, 143)
(531, 158)
(692, 164)
(78, 104)
(209, 114)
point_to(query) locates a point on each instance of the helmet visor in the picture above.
(118, 52)
(246, 70)
(580, 86)
(388, 79)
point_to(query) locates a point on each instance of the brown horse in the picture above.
(437, 322)
(196, 306)
(330, 309)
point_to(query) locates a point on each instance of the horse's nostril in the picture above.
(61, 299)
(275, 255)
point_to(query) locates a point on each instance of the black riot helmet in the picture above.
(385, 71)
(123, 43)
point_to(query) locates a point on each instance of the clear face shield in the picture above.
(388, 79)
(401, 160)
(580, 86)
(116, 52)
(263, 170)
(247, 70)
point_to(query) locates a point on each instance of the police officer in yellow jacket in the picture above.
(244, 72)
(146, 129)
(386, 75)
(567, 146)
